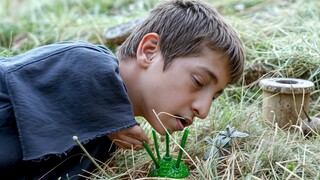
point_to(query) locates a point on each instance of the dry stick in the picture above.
(75, 138)
(258, 151)
(295, 103)
(308, 117)
(287, 170)
(304, 160)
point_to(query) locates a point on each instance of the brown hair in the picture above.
(184, 27)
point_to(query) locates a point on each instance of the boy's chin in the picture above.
(161, 130)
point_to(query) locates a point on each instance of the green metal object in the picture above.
(168, 166)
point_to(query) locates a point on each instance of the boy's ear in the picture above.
(147, 48)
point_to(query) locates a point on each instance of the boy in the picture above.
(177, 61)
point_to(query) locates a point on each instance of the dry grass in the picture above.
(282, 39)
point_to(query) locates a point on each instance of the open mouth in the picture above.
(185, 121)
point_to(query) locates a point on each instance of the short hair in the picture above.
(184, 27)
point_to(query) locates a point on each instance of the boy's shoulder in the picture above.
(68, 52)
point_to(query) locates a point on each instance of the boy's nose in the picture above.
(201, 106)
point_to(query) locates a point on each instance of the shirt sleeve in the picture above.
(62, 90)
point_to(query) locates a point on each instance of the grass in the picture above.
(282, 39)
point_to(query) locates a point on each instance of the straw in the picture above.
(75, 138)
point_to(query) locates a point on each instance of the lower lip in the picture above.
(180, 126)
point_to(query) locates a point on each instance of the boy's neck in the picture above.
(130, 75)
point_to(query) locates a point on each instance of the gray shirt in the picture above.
(51, 93)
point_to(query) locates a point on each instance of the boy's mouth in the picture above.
(183, 122)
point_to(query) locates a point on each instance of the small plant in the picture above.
(222, 142)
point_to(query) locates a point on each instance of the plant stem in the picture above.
(75, 138)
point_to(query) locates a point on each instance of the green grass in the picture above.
(281, 36)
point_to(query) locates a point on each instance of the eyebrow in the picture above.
(210, 73)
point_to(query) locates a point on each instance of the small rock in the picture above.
(311, 126)
(118, 34)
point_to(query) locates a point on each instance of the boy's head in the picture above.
(177, 61)
(185, 28)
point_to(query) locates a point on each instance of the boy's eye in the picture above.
(197, 82)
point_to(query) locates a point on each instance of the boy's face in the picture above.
(185, 89)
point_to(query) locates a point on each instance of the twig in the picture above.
(75, 138)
